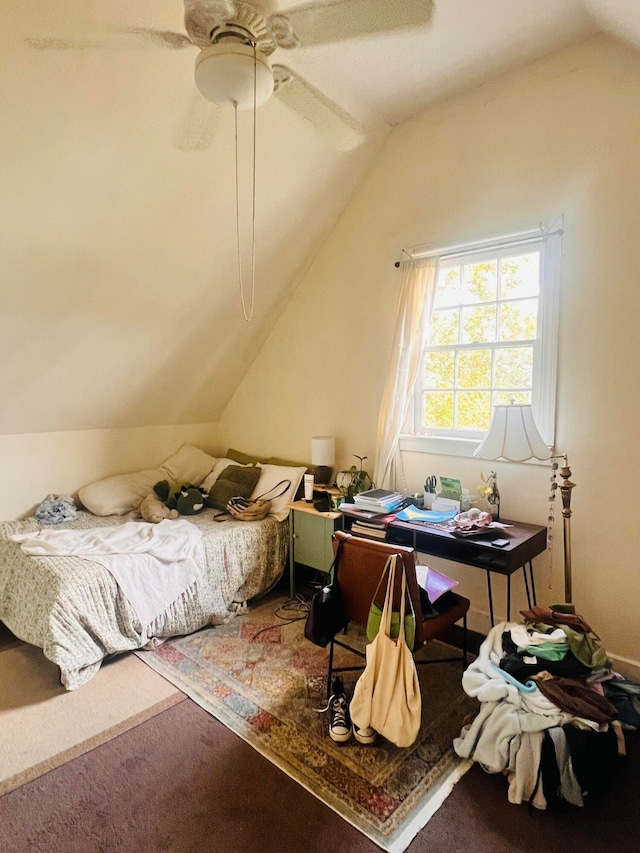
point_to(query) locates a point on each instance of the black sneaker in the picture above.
(340, 723)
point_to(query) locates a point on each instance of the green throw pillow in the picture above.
(235, 481)
(244, 458)
(288, 463)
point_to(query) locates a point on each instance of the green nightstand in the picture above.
(310, 544)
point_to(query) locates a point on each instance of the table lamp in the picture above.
(323, 456)
(514, 437)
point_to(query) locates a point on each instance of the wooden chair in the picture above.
(360, 568)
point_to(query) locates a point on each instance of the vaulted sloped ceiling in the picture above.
(118, 259)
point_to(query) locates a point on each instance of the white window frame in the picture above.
(543, 394)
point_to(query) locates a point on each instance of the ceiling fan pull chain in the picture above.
(235, 116)
(248, 315)
(253, 199)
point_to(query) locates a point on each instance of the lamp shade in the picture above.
(323, 450)
(513, 436)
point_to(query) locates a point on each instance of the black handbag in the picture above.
(326, 612)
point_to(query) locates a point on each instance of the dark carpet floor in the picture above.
(182, 782)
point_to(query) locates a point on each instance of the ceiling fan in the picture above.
(236, 38)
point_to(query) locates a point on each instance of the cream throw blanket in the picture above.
(153, 564)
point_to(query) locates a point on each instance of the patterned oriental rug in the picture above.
(262, 679)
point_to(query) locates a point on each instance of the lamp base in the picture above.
(322, 475)
(565, 490)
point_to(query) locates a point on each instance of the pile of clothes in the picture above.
(55, 509)
(552, 712)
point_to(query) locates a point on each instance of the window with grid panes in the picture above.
(491, 339)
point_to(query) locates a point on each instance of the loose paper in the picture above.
(435, 583)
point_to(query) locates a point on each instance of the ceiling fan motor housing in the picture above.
(227, 73)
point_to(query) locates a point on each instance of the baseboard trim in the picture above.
(625, 666)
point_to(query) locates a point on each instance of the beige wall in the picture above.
(558, 137)
(34, 465)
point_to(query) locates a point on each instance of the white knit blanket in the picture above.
(153, 564)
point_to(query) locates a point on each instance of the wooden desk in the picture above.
(526, 541)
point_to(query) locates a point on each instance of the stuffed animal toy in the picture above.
(167, 492)
(152, 509)
(186, 500)
(190, 500)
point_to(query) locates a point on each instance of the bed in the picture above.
(76, 612)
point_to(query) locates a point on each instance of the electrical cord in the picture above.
(298, 604)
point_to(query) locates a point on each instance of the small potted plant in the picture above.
(354, 480)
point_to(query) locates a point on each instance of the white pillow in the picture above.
(124, 492)
(120, 494)
(269, 481)
(188, 465)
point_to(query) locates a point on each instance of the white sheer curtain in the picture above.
(415, 302)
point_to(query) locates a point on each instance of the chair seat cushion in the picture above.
(434, 625)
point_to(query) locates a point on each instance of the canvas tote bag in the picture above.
(387, 694)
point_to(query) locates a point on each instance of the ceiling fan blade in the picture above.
(128, 37)
(198, 126)
(339, 20)
(161, 38)
(48, 43)
(339, 127)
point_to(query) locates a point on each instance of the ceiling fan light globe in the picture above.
(225, 73)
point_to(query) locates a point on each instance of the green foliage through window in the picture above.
(482, 339)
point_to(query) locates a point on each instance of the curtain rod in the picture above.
(465, 248)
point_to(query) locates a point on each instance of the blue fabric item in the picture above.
(55, 509)
(624, 694)
(527, 687)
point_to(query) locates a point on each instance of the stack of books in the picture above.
(380, 501)
(372, 511)
(370, 528)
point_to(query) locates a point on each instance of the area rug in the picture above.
(262, 679)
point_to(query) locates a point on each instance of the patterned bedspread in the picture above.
(73, 609)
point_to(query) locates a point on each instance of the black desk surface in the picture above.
(526, 541)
